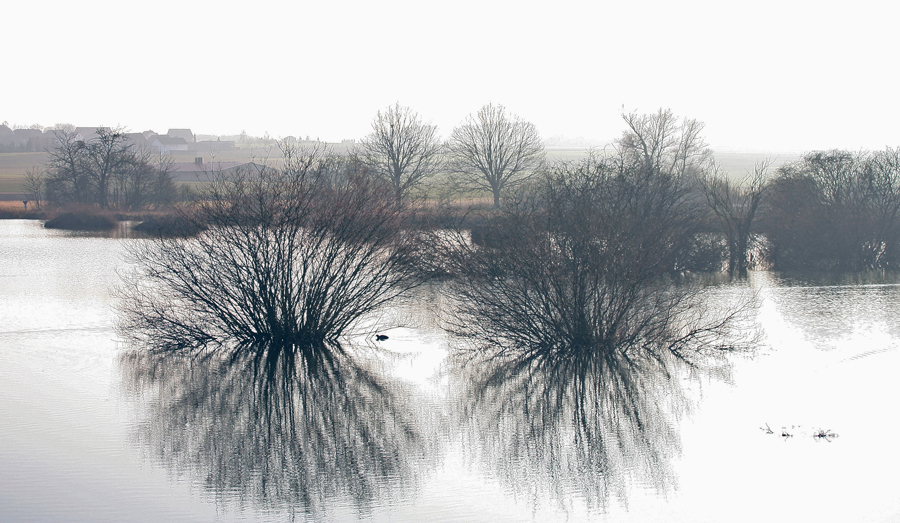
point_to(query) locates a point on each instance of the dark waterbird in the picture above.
(380, 337)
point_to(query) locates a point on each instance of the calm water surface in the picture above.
(92, 431)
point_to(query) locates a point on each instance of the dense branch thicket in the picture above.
(735, 206)
(582, 265)
(663, 143)
(836, 210)
(401, 150)
(662, 146)
(292, 257)
(107, 171)
(494, 151)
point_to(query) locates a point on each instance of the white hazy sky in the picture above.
(766, 75)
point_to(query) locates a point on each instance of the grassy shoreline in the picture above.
(15, 210)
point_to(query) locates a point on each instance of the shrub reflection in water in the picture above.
(297, 430)
(589, 427)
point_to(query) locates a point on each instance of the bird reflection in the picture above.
(296, 430)
(591, 427)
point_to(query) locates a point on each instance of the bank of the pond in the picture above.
(17, 210)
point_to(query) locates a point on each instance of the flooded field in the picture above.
(798, 429)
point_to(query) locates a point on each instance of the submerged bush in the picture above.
(584, 266)
(81, 221)
(170, 226)
(293, 256)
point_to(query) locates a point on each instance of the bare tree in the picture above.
(107, 157)
(735, 206)
(67, 181)
(34, 185)
(666, 150)
(66, 127)
(165, 192)
(663, 144)
(495, 151)
(107, 171)
(144, 180)
(294, 257)
(401, 149)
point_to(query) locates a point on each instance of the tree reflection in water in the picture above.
(296, 430)
(561, 428)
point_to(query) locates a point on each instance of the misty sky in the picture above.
(765, 75)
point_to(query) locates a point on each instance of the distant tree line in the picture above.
(829, 210)
(835, 210)
(106, 171)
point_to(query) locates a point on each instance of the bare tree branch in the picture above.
(662, 144)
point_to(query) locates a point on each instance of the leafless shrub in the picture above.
(292, 257)
(582, 263)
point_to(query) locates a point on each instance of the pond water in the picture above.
(92, 431)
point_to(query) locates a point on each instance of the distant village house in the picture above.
(175, 141)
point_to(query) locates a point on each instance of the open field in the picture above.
(14, 165)
(235, 155)
(567, 154)
(739, 164)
